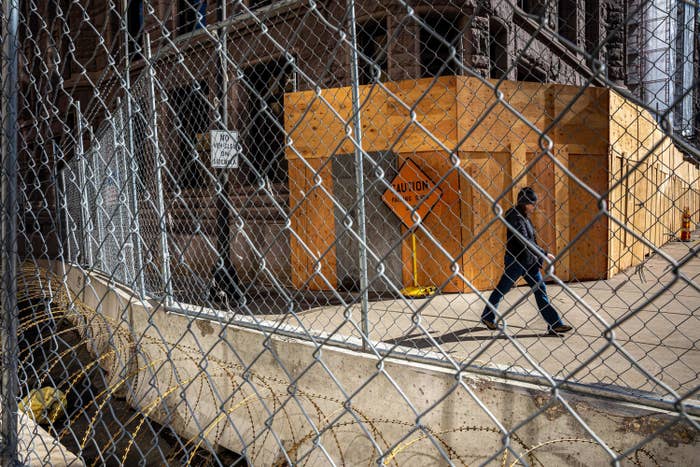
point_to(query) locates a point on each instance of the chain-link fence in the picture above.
(363, 232)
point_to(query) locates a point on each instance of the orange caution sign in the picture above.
(413, 192)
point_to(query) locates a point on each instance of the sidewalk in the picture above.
(659, 339)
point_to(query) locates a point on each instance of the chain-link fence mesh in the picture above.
(350, 232)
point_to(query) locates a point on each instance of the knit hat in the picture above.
(527, 196)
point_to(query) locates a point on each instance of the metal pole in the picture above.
(56, 177)
(137, 253)
(8, 238)
(66, 215)
(82, 184)
(223, 270)
(117, 214)
(98, 182)
(165, 255)
(359, 172)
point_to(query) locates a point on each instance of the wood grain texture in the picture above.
(611, 144)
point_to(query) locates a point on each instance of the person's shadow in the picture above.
(421, 341)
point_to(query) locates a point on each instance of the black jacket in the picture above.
(525, 254)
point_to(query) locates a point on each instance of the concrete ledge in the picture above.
(38, 448)
(265, 395)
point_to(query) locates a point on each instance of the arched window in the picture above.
(191, 123)
(498, 48)
(532, 7)
(263, 124)
(438, 34)
(592, 25)
(372, 45)
(192, 15)
(567, 20)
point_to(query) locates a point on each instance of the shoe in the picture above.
(560, 329)
(489, 324)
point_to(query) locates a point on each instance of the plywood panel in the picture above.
(473, 99)
(648, 135)
(433, 103)
(645, 200)
(298, 182)
(623, 130)
(528, 102)
(483, 261)
(647, 205)
(638, 218)
(615, 163)
(317, 121)
(562, 182)
(439, 241)
(486, 124)
(589, 254)
(616, 206)
(659, 226)
(597, 125)
(582, 119)
(312, 259)
(321, 225)
(541, 179)
(628, 184)
(518, 166)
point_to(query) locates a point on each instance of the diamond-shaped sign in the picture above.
(413, 190)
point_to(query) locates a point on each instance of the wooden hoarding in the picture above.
(461, 135)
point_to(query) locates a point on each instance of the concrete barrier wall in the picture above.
(224, 385)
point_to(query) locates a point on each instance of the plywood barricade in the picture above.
(480, 145)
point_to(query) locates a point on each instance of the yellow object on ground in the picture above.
(45, 404)
(415, 290)
(419, 291)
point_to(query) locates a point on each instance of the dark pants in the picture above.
(533, 277)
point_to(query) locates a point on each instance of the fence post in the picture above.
(125, 179)
(98, 182)
(137, 253)
(222, 274)
(63, 211)
(57, 154)
(165, 256)
(359, 172)
(82, 184)
(8, 237)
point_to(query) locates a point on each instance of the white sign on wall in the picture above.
(224, 149)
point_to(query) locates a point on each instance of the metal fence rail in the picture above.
(347, 175)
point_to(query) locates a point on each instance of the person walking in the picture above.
(523, 259)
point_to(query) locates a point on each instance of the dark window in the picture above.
(33, 16)
(191, 125)
(192, 15)
(532, 7)
(264, 139)
(498, 49)
(567, 20)
(437, 36)
(371, 43)
(592, 25)
(134, 18)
